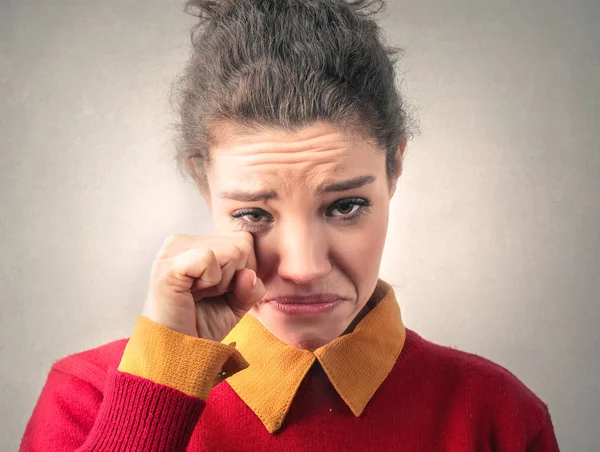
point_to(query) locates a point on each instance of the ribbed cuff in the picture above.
(140, 415)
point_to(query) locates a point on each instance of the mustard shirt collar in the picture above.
(355, 363)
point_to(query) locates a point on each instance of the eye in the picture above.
(349, 208)
(251, 218)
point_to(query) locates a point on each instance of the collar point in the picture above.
(357, 411)
(273, 428)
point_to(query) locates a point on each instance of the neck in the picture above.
(375, 298)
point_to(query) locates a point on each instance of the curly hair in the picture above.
(284, 64)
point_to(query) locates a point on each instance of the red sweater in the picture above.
(435, 399)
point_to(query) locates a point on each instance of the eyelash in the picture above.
(362, 203)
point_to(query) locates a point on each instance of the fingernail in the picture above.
(254, 279)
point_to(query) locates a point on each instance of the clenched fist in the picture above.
(202, 285)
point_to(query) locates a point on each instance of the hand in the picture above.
(202, 285)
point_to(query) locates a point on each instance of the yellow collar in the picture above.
(356, 363)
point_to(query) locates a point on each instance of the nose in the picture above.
(303, 253)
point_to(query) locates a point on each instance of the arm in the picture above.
(200, 287)
(545, 440)
(151, 403)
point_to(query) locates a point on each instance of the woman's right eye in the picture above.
(251, 218)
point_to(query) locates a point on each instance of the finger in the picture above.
(247, 249)
(247, 290)
(197, 264)
(224, 246)
(176, 244)
(224, 284)
(245, 242)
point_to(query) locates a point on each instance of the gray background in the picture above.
(493, 243)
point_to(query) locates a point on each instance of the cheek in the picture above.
(359, 250)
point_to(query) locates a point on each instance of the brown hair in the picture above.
(285, 64)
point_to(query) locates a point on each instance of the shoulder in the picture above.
(473, 368)
(91, 365)
(489, 390)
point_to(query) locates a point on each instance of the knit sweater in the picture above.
(432, 398)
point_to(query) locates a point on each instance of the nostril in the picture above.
(304, 274)
(303, 258)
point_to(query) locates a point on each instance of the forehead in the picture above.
(282, 160)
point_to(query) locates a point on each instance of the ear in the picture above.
(397, 166)
(193, 166)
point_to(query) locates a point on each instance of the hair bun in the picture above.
(367, 7)
(207, 10)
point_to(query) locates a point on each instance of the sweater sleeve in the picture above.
(545, 440)
(152, 402)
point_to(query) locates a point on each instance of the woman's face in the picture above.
(316, 202)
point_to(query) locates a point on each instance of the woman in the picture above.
(275, 333)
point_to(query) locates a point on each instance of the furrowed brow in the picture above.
(349, 184)
(246, 196)
(261, 196)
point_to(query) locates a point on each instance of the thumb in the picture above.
(248, 290)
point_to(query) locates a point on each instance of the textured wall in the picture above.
(493, 243)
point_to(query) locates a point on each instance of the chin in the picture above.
(307, 332)
(308, 338)
(308, 342)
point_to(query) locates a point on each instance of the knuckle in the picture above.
(156, 267)
(167, 245)
(205, 254)
(170, 240)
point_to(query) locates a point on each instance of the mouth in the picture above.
(306, 305)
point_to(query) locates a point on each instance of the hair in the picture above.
(285, 64)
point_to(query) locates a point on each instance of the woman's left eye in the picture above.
(348, 209)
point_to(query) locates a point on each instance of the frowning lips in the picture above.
(317, 298)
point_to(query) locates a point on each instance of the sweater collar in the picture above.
(355, 363)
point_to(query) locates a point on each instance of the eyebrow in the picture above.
(261, 196)
(349, 184)
(245, 196)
